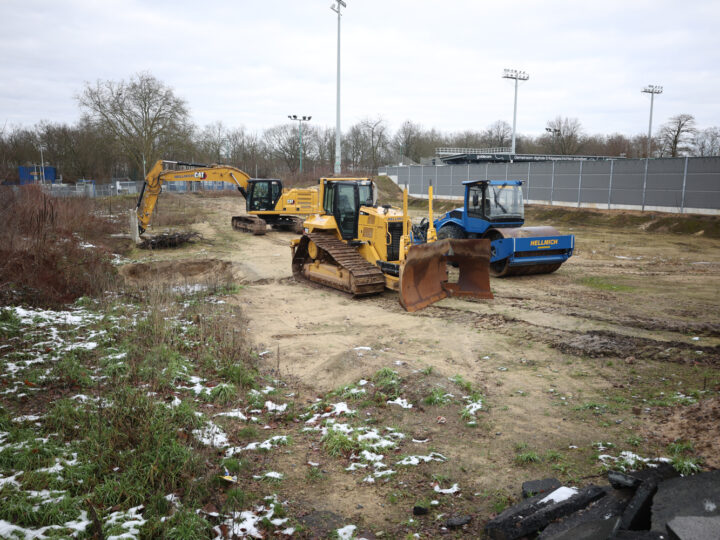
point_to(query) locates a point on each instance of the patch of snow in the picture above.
(362, 349)
(27, 418)
(274, 407)
(271, 474)
(235, 413)
(400, 401)
(130, 520)
(559, 495)
(420, 441)
(265, 445)
(211, 435)
(449, 491)
(415, 460)
(346, 532)
(709, 506)
(369, 456)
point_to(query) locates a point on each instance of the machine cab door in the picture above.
(341, 200)
(263, 195)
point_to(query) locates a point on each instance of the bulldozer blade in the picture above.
(424, 278)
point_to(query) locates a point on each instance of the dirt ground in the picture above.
(605, 349)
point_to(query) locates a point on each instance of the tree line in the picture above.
(125, 126)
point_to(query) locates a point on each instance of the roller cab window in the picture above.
(503, 202)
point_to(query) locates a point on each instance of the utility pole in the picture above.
(652, 90)
(518, 76)
(338, 160)
(300, 120)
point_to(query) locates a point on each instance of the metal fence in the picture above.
(668, 185)
(122, 188)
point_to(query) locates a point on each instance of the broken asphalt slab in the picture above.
(532, 515)
(687, 496)
(596, 522)
(536, 487)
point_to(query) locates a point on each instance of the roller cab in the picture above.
(493, 210)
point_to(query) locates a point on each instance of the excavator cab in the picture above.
(262, 195)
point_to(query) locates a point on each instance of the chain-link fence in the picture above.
(667, 185)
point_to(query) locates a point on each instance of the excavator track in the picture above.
(251, 224)
(336, 265)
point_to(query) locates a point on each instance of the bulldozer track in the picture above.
(365, 278)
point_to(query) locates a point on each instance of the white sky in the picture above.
(438, 63)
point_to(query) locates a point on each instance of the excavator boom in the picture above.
(159, 174)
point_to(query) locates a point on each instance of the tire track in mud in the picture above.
(593, 344)
(652, 324)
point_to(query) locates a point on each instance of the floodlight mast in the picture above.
(651, 89)
(338, 160)
(518, 76)
(300, 120)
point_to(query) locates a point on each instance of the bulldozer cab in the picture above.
(263, 195)
(342, 201)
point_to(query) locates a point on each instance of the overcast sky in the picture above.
(438, 63)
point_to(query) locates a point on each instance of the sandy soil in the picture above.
(631, 313)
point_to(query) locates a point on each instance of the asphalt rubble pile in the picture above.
(653, 503)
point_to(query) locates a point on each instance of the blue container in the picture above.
(33, 174)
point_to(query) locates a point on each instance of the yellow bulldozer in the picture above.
(267, 203)
(361, 248)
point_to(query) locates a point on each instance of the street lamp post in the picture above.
(336, 8)
(652, 90)
(300, 120)
(518, 76)
(42, 165)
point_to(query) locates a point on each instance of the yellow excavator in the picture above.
(360, 248)
(267, 203)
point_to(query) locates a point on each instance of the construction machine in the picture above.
(362, 248)
(267, 203)
(493, 209)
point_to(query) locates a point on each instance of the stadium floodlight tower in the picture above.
(300, 120)
(518, 76)
(336, 8)
(651, 89)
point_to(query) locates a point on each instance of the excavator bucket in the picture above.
(424, 276)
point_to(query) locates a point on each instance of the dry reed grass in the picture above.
(52, 251)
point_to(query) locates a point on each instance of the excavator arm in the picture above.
(159, 174)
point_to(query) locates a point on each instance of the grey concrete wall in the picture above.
(670, 185)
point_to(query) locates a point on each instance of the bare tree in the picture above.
(405, 141)
(707, 142)
(213, 142)
(375, 132)
(143, 115)
(498, 134)
(284, 144)
(565, 136)
(618, 145)
(323, 140)
(676, 135)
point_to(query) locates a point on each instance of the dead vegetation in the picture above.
(52, 251)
